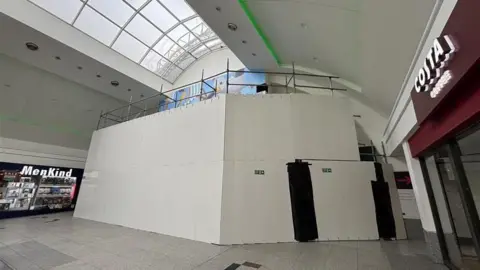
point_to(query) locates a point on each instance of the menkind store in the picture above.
(446, 98)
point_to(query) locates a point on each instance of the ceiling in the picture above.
(41, 107)
(370, 44)
(71, 64)
(163, 36)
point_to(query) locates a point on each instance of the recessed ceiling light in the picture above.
(31, 46)
(79, 67)
(244, 41)
(99, 76)
(254, 54)
(115, 83)
(58, 58)
(232, 26)
(129, 89)
(218, 9)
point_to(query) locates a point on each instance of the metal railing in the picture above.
(165, 100)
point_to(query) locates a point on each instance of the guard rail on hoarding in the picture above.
(169, 99)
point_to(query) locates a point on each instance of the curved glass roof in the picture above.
(164, 36)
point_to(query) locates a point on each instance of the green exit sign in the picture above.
(259, 172)
(327, 170)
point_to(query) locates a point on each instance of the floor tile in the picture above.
(41, 255)
(15, 260)
(77, 265)
(71, 243)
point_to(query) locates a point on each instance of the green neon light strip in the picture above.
(248, 12)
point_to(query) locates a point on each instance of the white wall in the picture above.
(23, 152)
(369, 125)
(160, 173)
(256, 208)
(344, 204)
(409, 204)
(44, 108)
(212, 64)
(267, 131)
(193, 167)
(285, 127)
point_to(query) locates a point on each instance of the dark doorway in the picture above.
(301, 196)
(383, 210)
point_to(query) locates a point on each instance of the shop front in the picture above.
(446, 98)
(27, 189)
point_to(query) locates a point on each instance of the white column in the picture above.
(419, 190)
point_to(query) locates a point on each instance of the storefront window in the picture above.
(31, 188)
(470, 151)
(454, 176)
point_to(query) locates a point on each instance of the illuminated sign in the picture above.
(432, 76)
(50, 172)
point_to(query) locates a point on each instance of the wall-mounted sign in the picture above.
(327, 170)
(432, 76)
(50, 172)
(259, 172)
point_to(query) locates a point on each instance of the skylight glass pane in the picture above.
(143, 30)
(115, 10)
(200, 29)
(191, 24)
(214, 44)
(154, 62)
(175, 53)
(200, 51)
(136, 3)
(185, 62)
(189, 42)
(63, 9)
(159, 16)
(164, 45)
(96, 26)
(179, 7)
(178, 32)
(168, 49)
(130, 47)
(173, 74)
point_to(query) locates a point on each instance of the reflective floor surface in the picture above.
(62, 242)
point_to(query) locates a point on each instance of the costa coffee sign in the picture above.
(433, 76)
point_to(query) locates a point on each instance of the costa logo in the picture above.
(435, 65)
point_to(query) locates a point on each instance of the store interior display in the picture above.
(16, 192)
(37, 187)
(55, 193)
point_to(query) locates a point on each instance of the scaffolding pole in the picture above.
(99, 119)
(294, 81)
(201, 85)
(228, 73)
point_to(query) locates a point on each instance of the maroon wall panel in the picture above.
(440, 117)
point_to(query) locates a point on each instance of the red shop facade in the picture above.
(446, 98)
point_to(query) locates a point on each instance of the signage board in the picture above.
(433, 76)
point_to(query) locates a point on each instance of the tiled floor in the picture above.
(62, 242)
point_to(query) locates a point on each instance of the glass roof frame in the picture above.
(174, 55)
